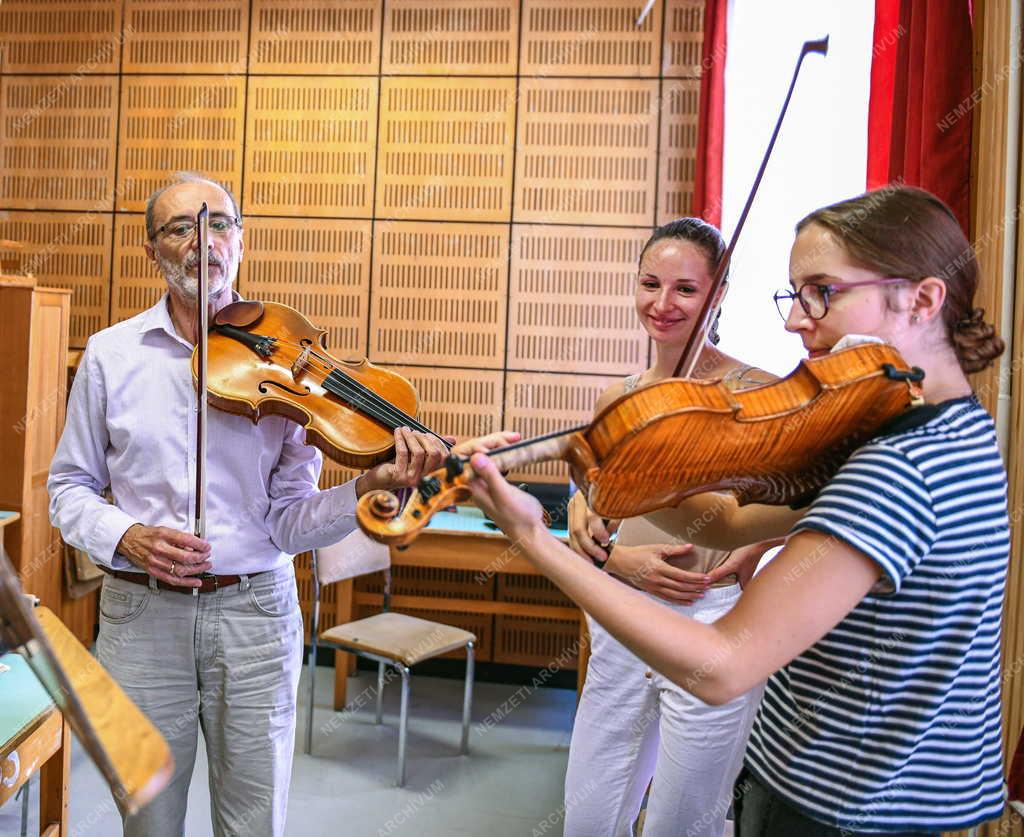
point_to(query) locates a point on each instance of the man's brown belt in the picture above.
(210, 583)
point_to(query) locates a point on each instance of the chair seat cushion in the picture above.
(399, 637)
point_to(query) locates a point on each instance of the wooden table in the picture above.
(459, 541)
(33, 736)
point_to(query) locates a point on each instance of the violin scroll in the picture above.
(381, 516)
(383, 505)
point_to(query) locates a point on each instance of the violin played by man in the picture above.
(201, 633)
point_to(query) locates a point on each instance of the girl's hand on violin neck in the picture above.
(588, 533)
(482, 444)
(518, 514)
(649, 568)
(166, 554)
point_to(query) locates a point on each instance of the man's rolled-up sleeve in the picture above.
(301, 516)
(79, 476)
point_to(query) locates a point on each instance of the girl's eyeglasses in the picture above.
(815, 297)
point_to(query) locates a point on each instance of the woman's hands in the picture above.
(589, 535)
(647, 568)
(518, 514)
(743, 561)
(650, 568)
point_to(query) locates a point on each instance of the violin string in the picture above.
(364, 398)
(355, 398)
(376, 406)
(349, 389)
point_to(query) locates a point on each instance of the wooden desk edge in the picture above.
(44, 734)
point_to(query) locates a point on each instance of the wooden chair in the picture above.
(392, 639)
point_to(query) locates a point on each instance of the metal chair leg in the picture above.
(403, 721)
(312, 692)
(380, 693)
(467, 697)
(25, 792)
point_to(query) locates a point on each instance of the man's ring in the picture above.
(171, 570)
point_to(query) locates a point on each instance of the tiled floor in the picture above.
(510, 784)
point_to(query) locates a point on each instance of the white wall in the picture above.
(820, 156)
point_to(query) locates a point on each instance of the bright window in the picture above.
(820, 156)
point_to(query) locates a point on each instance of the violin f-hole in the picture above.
(264, 384)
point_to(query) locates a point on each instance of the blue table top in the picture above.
(471, 521)
(23, 697)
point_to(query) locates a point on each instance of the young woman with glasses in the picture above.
(633, 725)
(878, 624)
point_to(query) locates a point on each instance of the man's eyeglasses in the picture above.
(181, 228)
(815, 297)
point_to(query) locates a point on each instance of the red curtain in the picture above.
(707, 182)
(919, 113)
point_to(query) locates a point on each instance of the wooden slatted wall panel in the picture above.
(463, 37)
(301, 158)
(679, 118)
(589, 38)
(446, 147)
(538, 403)
(178, 123)
(439, 294)
(586, 151)
(57, 142)
(571, 302)
(315, 37)
(457, 402)
(190, 36)
(322, 270)
(68, 250)
(60, 36)
(684, 39)
(136, 283)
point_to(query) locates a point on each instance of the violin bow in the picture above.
(688, 359)
(202, 328)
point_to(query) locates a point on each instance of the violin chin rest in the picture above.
(239, 314)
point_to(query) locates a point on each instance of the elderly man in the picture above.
(200, 633)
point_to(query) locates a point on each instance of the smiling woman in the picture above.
(634, 726)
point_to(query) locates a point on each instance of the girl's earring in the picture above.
(915, 318)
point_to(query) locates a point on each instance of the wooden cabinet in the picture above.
(34, 324)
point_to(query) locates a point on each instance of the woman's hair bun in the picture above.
(976, 342)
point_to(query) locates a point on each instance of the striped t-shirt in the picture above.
(891, 722)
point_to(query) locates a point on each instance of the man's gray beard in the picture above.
(176, 274)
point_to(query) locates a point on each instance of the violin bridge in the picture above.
(300, 363)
